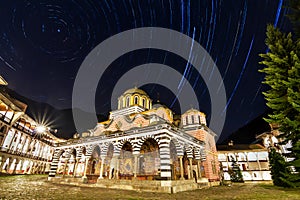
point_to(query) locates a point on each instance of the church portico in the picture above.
(133, 154)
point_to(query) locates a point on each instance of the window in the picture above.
(186, 120)
(144, 102)
(127, 101)
(192, 117)
(136, 100)
(124, 102)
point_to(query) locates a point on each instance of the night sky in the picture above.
(43, 43)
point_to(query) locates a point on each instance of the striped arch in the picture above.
(72, 151)
(197, 154)
(79, 152)
(137, 146)
(68, 153)
(119, 146)
(89, 151)
(94, 146)
(59, 152)
(179, 147)
(105, 147)
(189, 151)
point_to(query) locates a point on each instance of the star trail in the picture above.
(43, 43)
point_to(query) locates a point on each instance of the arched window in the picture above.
(124, 102)
(144, 103)
(187, 120)
(192, 117)
(127, 101)
(136, 100)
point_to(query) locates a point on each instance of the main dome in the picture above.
(134, 97)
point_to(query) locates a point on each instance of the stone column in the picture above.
(85, 167)
(114, 163)
(135, 166)
(101, 168)
(181, 167)
(116, 176)
(65, 166)
(199, 168)
(191, 169)
(75, 166)
(110, 172)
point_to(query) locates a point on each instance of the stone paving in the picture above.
(33, 187)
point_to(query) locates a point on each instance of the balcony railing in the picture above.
(25, 155)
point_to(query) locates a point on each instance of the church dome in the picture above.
(193, 117)
(135, 97)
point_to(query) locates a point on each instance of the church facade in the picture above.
(141, 144)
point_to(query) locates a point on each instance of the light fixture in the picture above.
(40, 129)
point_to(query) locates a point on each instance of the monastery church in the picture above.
(142, 146)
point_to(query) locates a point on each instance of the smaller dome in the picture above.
(193, 117)
(134, 91)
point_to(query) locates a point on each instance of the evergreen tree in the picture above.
(283, 97)
(278, 167)
(235, 172)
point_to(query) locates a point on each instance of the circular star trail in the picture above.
(43, 43)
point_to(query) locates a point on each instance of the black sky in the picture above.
(43, 44)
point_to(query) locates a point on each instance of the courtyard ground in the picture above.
(37, 187)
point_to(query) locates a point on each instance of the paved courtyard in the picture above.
(37, 187)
